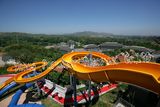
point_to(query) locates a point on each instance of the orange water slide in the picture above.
(19, 78)
(21, 67)
(6, 82)
(146, 75)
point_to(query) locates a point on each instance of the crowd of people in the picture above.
(133, 56)
(88, 60)
(127, 56)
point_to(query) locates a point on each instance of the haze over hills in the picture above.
(83, 33)
(102, 34)
(91, 33)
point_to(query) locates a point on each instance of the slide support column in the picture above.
(74, 91)
(89, 90)
(71, 79)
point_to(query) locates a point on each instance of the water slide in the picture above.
(8, 87)
(21, 67)
(17, 95)
(19, 78)
(7, 82)
(144, 74)
(10, 83)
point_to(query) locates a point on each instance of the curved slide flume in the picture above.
(146, 75)
(19, 78)
(4, 84)
(19, 67)
(7, 88)
(9, 85)
(30, 67)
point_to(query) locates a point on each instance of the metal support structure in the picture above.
(37, 87)
(71, 80)
(89, 82)
(74, 91)
(89, 90)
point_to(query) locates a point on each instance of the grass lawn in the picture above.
(48, 102)
(106, 100)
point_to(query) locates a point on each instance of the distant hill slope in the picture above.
(90, 33)
(83, 33)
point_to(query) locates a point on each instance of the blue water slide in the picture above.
(13, 84)
(7, 88)
(17, 95)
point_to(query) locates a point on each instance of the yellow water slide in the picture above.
(20, 78)
(145, 75)
(23, 69)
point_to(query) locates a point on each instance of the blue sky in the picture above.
(134, 17)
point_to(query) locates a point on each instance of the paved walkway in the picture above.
(3, 78)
